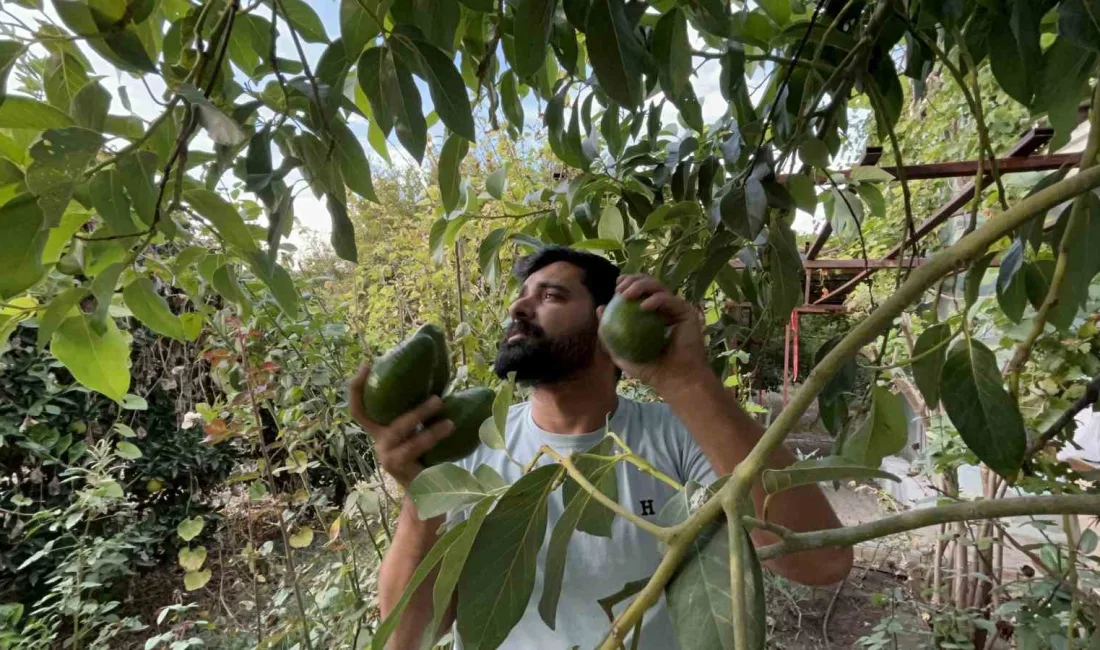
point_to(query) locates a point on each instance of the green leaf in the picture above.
(58, 161)
(672, 52)
(784, 271)
(192, 559)
(195, 580)
(91, 105)
(929, 365)
(103, 289)
(744, 207)
(375, 64)
(99, 361)
(354, 166)
(60, 308)
(137, 171)
(444, 488)
(1011, 294)
(611, 224)
(9, 52)
(884, 432)
(25, 236)
(152, 310)
(832, 401)
(302, 537)
(131, 402)
(1082, 260)
(819, 470)
(403, 103)
(510, 101)
(223, 216)
(616, 53)
(451, 569)
(872, 196)
(595, 518)
(357, 26)
(278, 281)
(847, 212)
(426, 566)
(1062, 86)
(225, 283)
(814, 152)
(600, 244)
(777, 10)
(221, 128)
(188, 529)
(343, 232)
(533, 22)
(1079, 21)
(578, 503)
(489, 259)
(975, 275)
(25, 113)
(127, 450)
(447, 90)
(489, 478)
(304, 19)
(496, 182)
(981, 409)
(108, 197)
(803, 192)
(499, 575)
(698, 595)
(489, 435)
(450, 172)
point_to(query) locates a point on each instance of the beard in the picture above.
(541, 359)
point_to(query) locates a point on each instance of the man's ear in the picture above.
(599, 311)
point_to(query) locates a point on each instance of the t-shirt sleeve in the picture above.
(694, 465)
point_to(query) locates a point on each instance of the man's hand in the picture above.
(400, 443)
(685, 355)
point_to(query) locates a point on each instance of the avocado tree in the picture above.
(104, 207)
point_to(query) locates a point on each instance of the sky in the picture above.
(310, 211)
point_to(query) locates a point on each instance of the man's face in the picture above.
(553, 334)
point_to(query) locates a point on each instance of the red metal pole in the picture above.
(786, 359)
(796, 318)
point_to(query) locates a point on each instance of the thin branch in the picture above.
(659, 532)
(911, 360)
(1092, 394)
(737, 541)
(1061, 504)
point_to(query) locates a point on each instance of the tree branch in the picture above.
(1062, 504)
(1092, 394)
(659, 532)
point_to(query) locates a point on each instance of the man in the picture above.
(699, 433)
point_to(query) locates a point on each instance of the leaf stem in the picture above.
(660, 532)
(911, 360)
(737, 543)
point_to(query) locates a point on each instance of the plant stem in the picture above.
(737, 543)
(1092, 394)
(920, 280)
(1061, 504)
(911, 360)
(659, 532)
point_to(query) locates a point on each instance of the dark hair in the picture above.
(599, 273)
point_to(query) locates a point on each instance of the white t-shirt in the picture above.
(597, 567)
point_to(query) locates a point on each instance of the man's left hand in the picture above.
(685, 355)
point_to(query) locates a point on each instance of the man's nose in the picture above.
(521, 309)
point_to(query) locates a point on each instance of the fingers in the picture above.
(636, 287)
(355, 403)
(668, 304)
(412, 448)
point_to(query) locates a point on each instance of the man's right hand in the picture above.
(399, 444)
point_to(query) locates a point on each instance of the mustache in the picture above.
(526, 328)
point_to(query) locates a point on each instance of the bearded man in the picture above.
(698, 433)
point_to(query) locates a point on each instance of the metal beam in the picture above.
(1035, 139)
(1029, 142)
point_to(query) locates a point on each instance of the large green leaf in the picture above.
(152, 309)
(354, 166)
(818, 470)
(108, 196)
(698, 594)
(832, 401)
(403, 103)
(450, 172)
(137, 171)
(533, 22)
(278, 280)
(499, 575)
(1082, 260)
(444, 488)
(221, 128)
(672, 51)
(744, 208)
(1063, 85)
(784, 271)
(58, 161)
(929, 353)
(510, 101)
(1079, 21)
(10, 51)
(374, 64)
(358, 25)
(1011, 294)
(223, 216)
(91, 105)
(343, 231)
(65, 76)
(304, 20)
(981, 409)
(100, 361)
(25, 235)
(224, 281)
(58, 311)
(582, 512)
(616, 53)
(884, 431)
(447, 90)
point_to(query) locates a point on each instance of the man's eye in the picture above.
(550, 295)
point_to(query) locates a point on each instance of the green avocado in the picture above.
(467, 409)
(632, 333)
(442, 357)
(400, 380)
